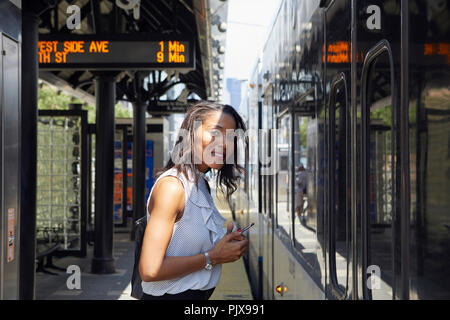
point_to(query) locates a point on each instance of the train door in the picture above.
(404, 176)
(378, 158)
(338, 209)
(429, 149)
(378, 180)
(255, 257)
(283, 265)
(307, 234)
(267, 187)
(337, 196)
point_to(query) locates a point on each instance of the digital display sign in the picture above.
(97, 53)
(438, 49)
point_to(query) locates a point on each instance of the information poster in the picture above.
(148, 172)
(148, 168)
(11, 234)
(118, 210)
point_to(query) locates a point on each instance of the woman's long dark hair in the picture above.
(228, 176)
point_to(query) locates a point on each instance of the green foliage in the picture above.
(121, 112)
(48, 98)
(302, 129)
(383, 114)
(52, 99)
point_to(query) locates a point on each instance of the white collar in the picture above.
(202, 174)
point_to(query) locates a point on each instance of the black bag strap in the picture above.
(207, 185)
(139, 228)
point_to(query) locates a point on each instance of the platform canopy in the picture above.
(171, 43)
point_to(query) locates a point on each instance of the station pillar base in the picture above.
(103, 266)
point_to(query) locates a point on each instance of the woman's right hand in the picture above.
(228, 249)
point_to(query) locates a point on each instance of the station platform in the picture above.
(233, 285)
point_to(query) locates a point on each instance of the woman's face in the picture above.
(210, 140)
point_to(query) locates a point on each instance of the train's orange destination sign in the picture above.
(107, 54)
(338, 52)
(438, 49)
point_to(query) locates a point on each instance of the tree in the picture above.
(53, 99)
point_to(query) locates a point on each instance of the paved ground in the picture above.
(93, 286)
(233, 284)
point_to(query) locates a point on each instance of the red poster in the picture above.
(11, 233)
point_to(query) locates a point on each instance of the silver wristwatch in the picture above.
(208, 265)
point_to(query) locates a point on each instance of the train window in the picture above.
(253, 165)
(339, 184)
(284, 162)
(429, 146)
(305, 196)
(430, 185)
(283, 203)
(379, 179)
(270, 178)
(266, 146)
(263, 143)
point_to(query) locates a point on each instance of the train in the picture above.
(352, 99)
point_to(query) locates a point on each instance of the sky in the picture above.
(249, 22)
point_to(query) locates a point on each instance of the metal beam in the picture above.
(139, 208)
(28, 155)
(58, 82)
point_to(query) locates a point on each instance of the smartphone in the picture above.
(248, 227)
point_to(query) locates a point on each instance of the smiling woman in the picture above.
(184, 242)
(201, 144)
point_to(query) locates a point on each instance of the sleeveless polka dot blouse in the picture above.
(198, 230)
